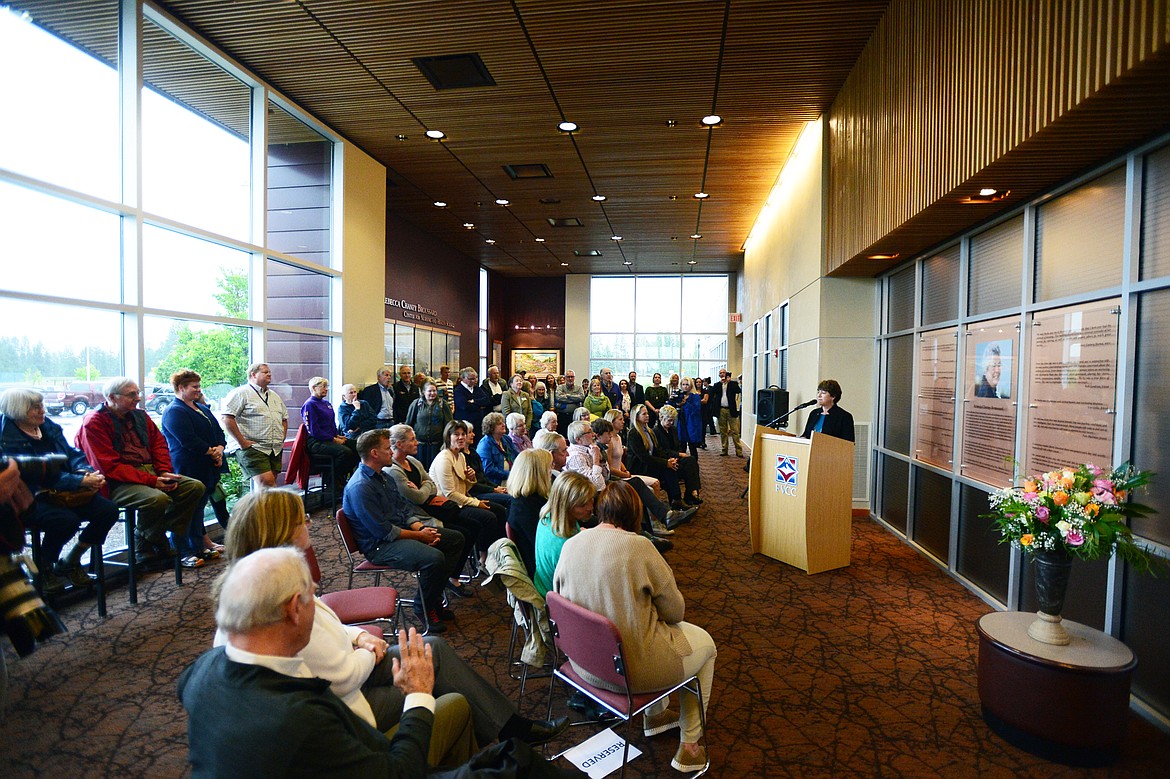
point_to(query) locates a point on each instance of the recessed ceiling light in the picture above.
(627, 262)
(400, 137)
(671, 123)
(702, 195)
(696, 236)
(440, 204)
(564, 264)
(893, 256)
(692, 262)
(539, 240)
(599, 198)
(489, 241)
(567, 127)
(436, 135)
(987, 191)
(674, 197)
(615, 238)
(711, 120)
(502, 201)
(468, 226)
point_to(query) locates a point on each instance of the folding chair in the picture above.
(349, 543)
(593, 642)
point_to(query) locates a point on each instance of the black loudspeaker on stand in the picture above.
(771, 402)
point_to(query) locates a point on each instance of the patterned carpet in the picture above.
(865, 671)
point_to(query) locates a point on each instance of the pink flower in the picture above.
(1042, 514)
(1093, 469)
(1029, 497)
(1074, 538)
(1104, 496)
(1103, 484)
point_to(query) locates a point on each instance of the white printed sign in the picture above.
(601, 755)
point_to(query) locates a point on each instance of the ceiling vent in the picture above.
(533, 170)
(455, 71)
(565, 221)
(587, 253)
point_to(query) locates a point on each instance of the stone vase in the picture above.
(1052, 570)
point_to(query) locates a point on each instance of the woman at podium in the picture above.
(828, 417)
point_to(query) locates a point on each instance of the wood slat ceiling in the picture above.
(621, 69)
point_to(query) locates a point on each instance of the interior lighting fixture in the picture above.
(711, 120)
(564, 264)
(468, 225)
(987, 192)
(627, 262)
(440, 204)
(701, 195)
(539, 240)
(891, 256)
(490, 241)
(986, 195)
(400, 137)
(502, 201)
(696, 236)
(599, 198)
(436, 135)
(615, 238)
(692, 262)
(568, 127)
(671, 123)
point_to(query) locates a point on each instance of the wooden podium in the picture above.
(800, 499)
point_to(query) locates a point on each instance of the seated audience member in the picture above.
(122, 443)
(540, 404)
(256, 420)
(656, 397)
(358, 665)
(516, 400)
(324, 439)
(405, 393)
(556, 445)
(471, 401)
(585, 456)
(379, 396)
(494, 388)
(26, 431)
(529, 484)
(390, 534)
(549, 421)
(687, 467)
(829, 418)
(580, 415)
(496, 449)
(689, 405)
(483, 487)
(455, 479)
(427, 416)
(647, 458)
(518, 432)
(596, 402)
(196, 444)
(612, 570)
(255, 710)
(354, 415)
(660, 519)
(569, 507)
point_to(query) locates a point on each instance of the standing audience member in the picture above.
(656, 397)
(379, 396)
(625, 399)
(596, 402)
(613, 571)
(323, 438)
(686, 466)
(389, 534)
(829, 418)
(609, 388)
(405, 393)
(568, 398)
(726, 397)
(516, 400)
(354, 415)
(690, 413)
(428, 415)
(496, 449)
(446, 387)
(257, 421)
(471, 401)
(637, 391)
(122, 442)
(529, 485)
(494, 388)
(709, 411)
(62, 504)
(196, 444)
(455, 480)
(569, 507)
(540, 402)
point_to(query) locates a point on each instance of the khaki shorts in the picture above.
(253, 462)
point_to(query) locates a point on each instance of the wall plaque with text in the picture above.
(935, 409)
(989, 413)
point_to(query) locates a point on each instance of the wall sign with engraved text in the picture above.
(989, 413)
(935, 409)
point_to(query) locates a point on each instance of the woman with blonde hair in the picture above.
(646, 458)
(569, 507)
(690, 415)
(597, 402)
(529, 484)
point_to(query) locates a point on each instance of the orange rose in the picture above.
(1026, 539)
(1066, 481)
(1060, 497)
(1031, 486)
(1092, 509)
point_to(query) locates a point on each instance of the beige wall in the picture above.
(363, 256)
(831, 320)
(577, 324)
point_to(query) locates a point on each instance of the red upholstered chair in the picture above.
(366, 606)
(352, 550)
(593, 642)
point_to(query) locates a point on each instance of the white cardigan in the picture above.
(449, 472)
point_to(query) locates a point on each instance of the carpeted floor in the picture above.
(865, 671)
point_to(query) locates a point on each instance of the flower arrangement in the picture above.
(1080, 512)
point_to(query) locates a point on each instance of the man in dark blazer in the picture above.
(725, 396)
(637, 391)
(255, 710)
(380, 397)
(405, 393)
(472, 403)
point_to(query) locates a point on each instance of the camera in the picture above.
(36, 470)
(24, 616)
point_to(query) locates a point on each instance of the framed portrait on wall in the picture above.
(539, 362)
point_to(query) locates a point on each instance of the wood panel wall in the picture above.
(951, 97)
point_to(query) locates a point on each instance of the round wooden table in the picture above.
(1068, 704)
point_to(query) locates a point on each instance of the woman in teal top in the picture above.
(596, 402)
(570, 504)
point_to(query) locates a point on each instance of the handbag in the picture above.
(69, 499)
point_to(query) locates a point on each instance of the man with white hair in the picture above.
(124, 444)
(555, 443)
(380, 397)
(255, 709)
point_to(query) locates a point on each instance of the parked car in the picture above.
(81, 396)
(157, 397)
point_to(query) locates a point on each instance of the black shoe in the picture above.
(446, 615)
(74, 573)
(462, 591)
(578, 701)
(543, 731)
(661, 544)
(694, 500)
(434, 620)
(678, 505)
(676, 518)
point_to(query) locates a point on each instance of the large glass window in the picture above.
(183, 273)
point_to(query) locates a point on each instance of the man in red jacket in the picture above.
(123, 443)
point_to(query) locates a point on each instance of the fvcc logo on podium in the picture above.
(787, 471)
